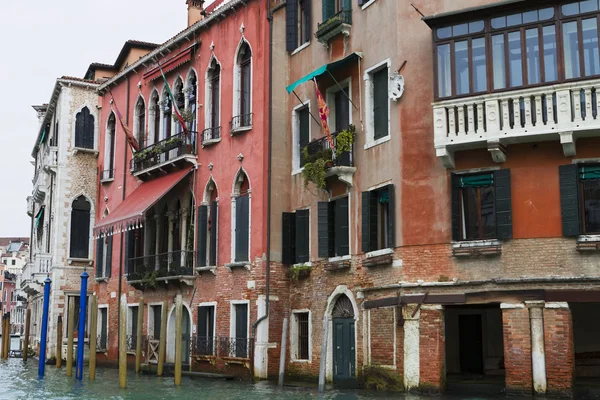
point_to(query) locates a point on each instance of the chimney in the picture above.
(195, 11)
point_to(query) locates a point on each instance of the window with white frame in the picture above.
(241, 222)
(80, 228)
(300, 336)
(239, 345)
(140, 122)
(154, 321)
(102, 340)
(301, 133)
(104, 247)
(205, 343)
(132, 327)
(84, 129)
(377, 103)
(109, 148)
(243, 88)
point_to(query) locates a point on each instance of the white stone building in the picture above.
(62, 203)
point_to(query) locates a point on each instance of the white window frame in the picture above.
(237, 82)
(367, 4)
(296, 151)
(234, 195)
(330, 100)
(349, 255)
(232, 318)
(151, 115)
(99, 323)
(214, 332)
(130, 321)
(91, 230)
(93, 112)
(208, 94)
(294, 330)
(150, 324)
(136, 125)
(369, 115)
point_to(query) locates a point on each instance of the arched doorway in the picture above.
(186, 329)
(344, 340)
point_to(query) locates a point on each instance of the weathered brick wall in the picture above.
(517, 349)
(382, 327)
(432, 348)
(558, 341)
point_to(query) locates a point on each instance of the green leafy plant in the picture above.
(298, 272)
(344, 141)
(149, 279)
(186, 114)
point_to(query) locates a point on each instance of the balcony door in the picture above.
(342, 110)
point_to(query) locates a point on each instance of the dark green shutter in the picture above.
(288, 242)
(569, 200)
(214, 220)
(503, 204)
(380, 103)
(202, 325)
(347, 6)
(128, 252)
(373, 209)
(304, 128)
(241, 228)
(99, 257)
(328, 9)
(109, 249)
(331, 230)
(391, 228)
(323, 228)
(202, 230)
(291, 25)
(455, 194)
(341, 227)
(302, 235)
(366, 226)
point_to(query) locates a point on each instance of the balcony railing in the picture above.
(211, 134)
(241, 121)
(163, 151)
(334, 25)
(42, 263)
(236, 347)
(107, 174)
(319, 145)
(555, 111)
(50, 159)
(204, 345)
(175, 263)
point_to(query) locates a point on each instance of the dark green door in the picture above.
(343, 350)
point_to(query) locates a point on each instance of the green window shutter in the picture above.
(291, 25)
(323, 228)
(328, 9)
(570, 200)
(202, 323)
(99, 257)
(373, 209)
(302, 235)
(288, 238)
(391, 217)
(503, 204)
(347, 6)
(341, 227)
(380, 103)
(304, 130)
(214, 219)
(366, 226)
(202, 231)
(455, 194)
(129, 252)
(241, 228)
(109, 250)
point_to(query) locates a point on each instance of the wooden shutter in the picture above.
(241, 228)
(341, 227)
(455, 194)
(214, 219)
(503, 204)
(302, 235)
(128, 242)
(328, 9)
(366, 225)
(202, 322)
(323, 228)
(391, 228)
(99, 257)
(346, 5)
(570, 200)
(380, 103)
(288, 238)
(202, 230)
(291, 25)
(109, 248)
(304, 128)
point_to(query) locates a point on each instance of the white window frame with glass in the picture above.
(298, 121)
(295, 340)
(373, 137)
(331, 91)
(213, 335)
(304, 29)
(99, 322)
(152, 309)
(378, 220)
(130, 321)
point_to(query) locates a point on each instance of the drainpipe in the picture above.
(268, 261)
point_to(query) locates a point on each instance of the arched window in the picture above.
(241, 237)
(167, 113)
(207, 227)
(343, 308)
(154, 117)
(213, 82)
(180, 100)
(140, 122)
(244, 87)
(109, 152)
(80, 228)
(192, 89)
(84, 129)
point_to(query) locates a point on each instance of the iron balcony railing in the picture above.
(241, 121)
(211, 134)
(321, 148)
(163, 151)
(175, 263)
(236, 347)
(107, 174)
(204, 346)
(342, 17)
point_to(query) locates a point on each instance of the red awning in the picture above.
(131, 211)
(170, 65)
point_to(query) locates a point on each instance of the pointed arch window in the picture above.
(241, 237)
(109, 152)
(244, 88)
(180, 101)
(192, 99)
(167, 113)
(84, 129)
(80, 228)
(208, 227)
(140, 122)
(154, 117)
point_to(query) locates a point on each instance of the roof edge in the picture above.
(445, 17)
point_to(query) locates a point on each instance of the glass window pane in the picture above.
(488, 212)
(499, 62)
(479, 66)
(475, 26)
(461, 60)
(591, 60)
(570, 9)
(546, 13)
(444, 33)
(444, 72)
(550, 57)
(514, 59)
(571, 50)
(591, 200)
(499, 22)
(588, 6)
(532, 44)
(470, 214)
(530, 16)
(461, 29)
(515, 19)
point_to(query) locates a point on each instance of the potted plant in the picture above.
(298, 272)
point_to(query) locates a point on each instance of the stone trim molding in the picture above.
(557, 304)
(511, 306)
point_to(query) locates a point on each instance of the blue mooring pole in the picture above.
(82, 319)
(44, 338)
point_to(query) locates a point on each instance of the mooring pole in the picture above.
(3, 341)
(178, 337)
(93, 337)
(138, 343)
(44, 335)
(323, 365)
(123, 342)
(7, 334)
(27, 328)
(162, 341)
(82, 321)
(70, 334)
(59, 330)
(282, 355)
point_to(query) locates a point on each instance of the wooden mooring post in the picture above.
(323, 365)
(27, 330)
(4, 336)
(70, 334)
(93, 335)
(163, 340)
(282, 355)
(123, 342)
(178, 338)
(59, 339)
(138, 343)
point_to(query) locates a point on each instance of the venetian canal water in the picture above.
(20, 381)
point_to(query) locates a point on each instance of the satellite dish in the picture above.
(396, 86)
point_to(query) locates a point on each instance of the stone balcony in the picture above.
(30, 206)
(50, 158)
(40, 185)
(562, 112)
(174, 153)
(34, 273)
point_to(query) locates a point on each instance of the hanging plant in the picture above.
(298, 272)
(344, 141)
(149, 279)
